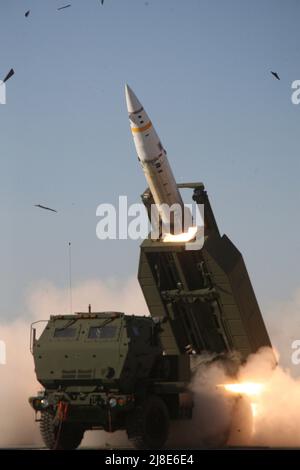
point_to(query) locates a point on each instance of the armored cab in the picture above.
(96, 349)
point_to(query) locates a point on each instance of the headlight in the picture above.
(38, 404)
(112, 402)
(44, 403)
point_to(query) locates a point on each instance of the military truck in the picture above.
(107, 371)
(113, 371)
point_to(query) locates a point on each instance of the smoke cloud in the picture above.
(17, 383)
(277, 419)
(278, 413)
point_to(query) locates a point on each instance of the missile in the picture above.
(154, 161)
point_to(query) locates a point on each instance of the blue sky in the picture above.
(202, 71)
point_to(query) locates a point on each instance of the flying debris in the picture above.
(45, 207)
(275, 74)
(27, 13)
(65, 6)
(9, 75)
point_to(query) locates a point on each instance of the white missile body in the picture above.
(154, 161)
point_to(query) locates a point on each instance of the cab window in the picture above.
(65, 332)
(102, 332)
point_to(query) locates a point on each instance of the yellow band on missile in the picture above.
(142, 129)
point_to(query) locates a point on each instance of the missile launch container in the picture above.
(205, 294)
(113, 371)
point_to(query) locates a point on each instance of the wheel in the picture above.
(66, 437)
(148, 425)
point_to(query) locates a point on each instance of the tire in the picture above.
(68, 437)
(148, 425)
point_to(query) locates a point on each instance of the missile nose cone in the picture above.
(132, 102)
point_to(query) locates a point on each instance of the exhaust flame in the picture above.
(246, 388)
(181, 237)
